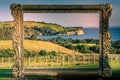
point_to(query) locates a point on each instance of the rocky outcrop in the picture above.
(78, 31)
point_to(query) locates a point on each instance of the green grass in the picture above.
(5, 73)
(75, 66)
(115, 68)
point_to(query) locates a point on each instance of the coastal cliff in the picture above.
(77, 31)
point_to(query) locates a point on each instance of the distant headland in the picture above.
(40, 28)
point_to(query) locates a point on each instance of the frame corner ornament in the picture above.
(107, 10)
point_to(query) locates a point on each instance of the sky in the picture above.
(66, 20)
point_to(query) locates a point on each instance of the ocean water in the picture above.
(89, 33)
(115, 33)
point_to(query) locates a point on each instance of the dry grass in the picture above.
(34, 45)
(5, 44)
(87, 44)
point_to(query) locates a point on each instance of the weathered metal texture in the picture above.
(61, 8)
(104, 11)
(62, 72)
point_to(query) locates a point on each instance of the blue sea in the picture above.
(90, 33)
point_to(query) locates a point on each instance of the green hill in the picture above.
(30, 28)
(36, 28)
(31, 24)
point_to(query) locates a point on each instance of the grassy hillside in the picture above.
(33, 45)
(31, 24)
(6, 24)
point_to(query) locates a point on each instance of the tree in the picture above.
(46, 30)
(118, 51)
(52, 53)
(83, 48)
(94, 49)
(6, 33)
(42, 53)
(116, 44)
(113, 50)
(28, 53)
(6, 53)
(70, 47)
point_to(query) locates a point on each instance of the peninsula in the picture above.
(38, 29)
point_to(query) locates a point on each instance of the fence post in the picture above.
(29, 61)
(40, 61)
(48, 57)
(2, 62)
(89, 59)
(68, 60)
(63, 60)
(83, 59)
(57, 60)
(35, 61)
(79, 58)
(46, 61)
(93, 59)
(110, 58)
(9, 62)
(74, 59)
(51, 60)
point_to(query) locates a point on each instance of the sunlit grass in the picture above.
(115, 66)
(87, 44)
(33, 45)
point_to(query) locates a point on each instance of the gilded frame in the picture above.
(104, 10)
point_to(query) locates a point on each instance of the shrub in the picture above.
(52, 53)
(29, 53)
(83, 48)
(42, 53)
(6, 53)
(94, 49)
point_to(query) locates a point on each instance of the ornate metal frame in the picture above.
(104, 11)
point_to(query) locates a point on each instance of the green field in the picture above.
(115, 68)
(6, 73)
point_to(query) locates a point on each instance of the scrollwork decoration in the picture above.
(16, 11)
(107, 8)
